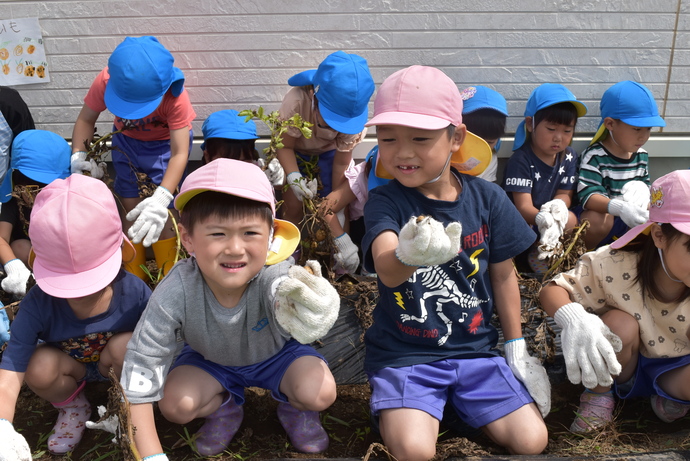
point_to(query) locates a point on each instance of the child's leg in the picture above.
(54, 376)
(572, 221)
(113, 354)
(627, 329)
(599, 227)
(522, 432)
(408, 433)
(190, 393)
(21, 249)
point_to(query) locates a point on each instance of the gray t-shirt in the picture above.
(183, 309)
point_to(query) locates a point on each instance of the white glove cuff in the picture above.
(569, 313)
(514, 349)
(616, 206)
(343, 242)
(162, 196)
(13, 266)
(294, 176)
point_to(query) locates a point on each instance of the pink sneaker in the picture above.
(219, 429)
(303, 428)
(71, 422)
(668, 410)
(596, 410)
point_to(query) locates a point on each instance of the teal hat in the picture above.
(41, 156)
(543, 96)
(228, 124)
(631, 103)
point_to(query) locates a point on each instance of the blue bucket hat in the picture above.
(545, 95)
(631, 103)
(343, 86)
(141, 72)
(229, 125)
(41, 156)
(481, 97)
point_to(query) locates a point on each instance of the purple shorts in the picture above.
(481, 390)
(131, 156)
(266, 375)
(644, 381)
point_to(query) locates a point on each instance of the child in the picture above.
(15, 117)
(432, 339)
(484, 113)
(237, 317)
(73, 326)
(638, 291)
(334, 98)
(541, 175)
(38, 158)
(614, 179)
(146, 93)
(227, 135)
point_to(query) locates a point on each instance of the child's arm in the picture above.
(179, 155)
(589, 346)
(347, 254)
(525, 205)
(12, 444)
(566, 195)
(341, 160)
(146, 436)
(288, 160)
(82, 135)
(527, 369)
(17, 272)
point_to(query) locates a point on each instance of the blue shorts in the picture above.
(325, 169)
(644, 381)
(618, 229)
(93, 375)
(131, 156)
(481, 390)
(266, 375)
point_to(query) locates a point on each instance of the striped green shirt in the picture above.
(603, 173)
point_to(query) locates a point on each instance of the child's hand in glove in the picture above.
(424, 242)
(631, 214)
(301, 187)
(530, 372)
(589, 346)
(636, 193)
(151, 215)
(17, 277)
(13, 445)
(307, 304)
(346, 255)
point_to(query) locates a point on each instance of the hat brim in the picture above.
(79, 284)
(286, 237)
(346, 125)
(520, 136)
(631, 234)
(129, 110)
(472, 158)
(303, 78)
(645, 122)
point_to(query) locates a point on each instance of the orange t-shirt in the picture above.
(173, 113)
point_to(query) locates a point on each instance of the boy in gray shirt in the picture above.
(233, 315)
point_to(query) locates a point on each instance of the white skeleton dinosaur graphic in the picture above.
(438, 285)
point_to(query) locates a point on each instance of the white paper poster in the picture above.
(22, 55)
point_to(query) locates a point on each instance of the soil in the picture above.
(636, 430)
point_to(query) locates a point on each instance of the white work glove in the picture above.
(79, 164)
(424, 242)
(151, 215)
(530, 372)
(346, 255)
(156, 457)
(551, 221)
(301, 187)
(637, 193)
(589, 347)
(110, 424)
(275, 173)
(13, 445)
(17, 276)
(631, 214)
(307, 304)
(98, 169)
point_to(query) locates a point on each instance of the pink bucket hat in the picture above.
(246, 180)
(76, 235)
(670, 204)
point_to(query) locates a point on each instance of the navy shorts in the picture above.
(132, 156)
(481, 390)
(93, 375)
(325, 169)
(644, 382)
(266, 375)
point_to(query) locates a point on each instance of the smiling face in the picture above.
(549, 138)
(623, 139)
(415, 156)
(229, 251)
